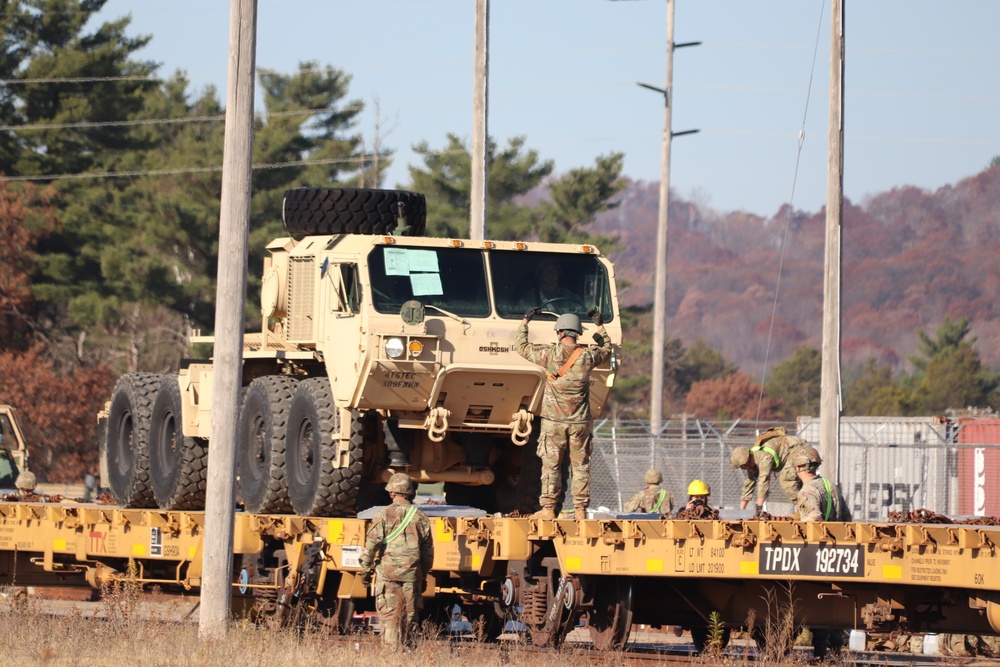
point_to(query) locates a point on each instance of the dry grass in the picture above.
(125, 632)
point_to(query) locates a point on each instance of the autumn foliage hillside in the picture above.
(910, 259)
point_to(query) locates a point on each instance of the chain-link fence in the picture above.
(887, 464)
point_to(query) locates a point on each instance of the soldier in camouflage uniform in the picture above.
(818, 499)
(769, 454)
(651, 499)
(400, 550)
(566, 419)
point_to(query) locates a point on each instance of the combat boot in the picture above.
(580, 513)
(544, 513)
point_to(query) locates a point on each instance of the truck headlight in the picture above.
(394, 348)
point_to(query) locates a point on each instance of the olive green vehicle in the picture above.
(13, 451)
(380, 351)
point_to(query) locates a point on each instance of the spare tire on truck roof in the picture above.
(317, 211)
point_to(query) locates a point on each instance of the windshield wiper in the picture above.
(445, 312)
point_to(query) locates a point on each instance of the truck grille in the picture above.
(301, 299)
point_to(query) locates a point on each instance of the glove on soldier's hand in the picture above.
(599, 339)
(531, 312)
(366, 579)
(595, 315)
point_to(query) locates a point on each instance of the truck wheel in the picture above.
(261, 442)
(177, 464)
(316, 486)
(128, 439)
(310, 211)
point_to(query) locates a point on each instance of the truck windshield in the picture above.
(555, 282)
(453, 279)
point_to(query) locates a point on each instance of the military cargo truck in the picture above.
(380, 351)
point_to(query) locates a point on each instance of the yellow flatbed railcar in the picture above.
(609, 572)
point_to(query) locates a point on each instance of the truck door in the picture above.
(341, 334)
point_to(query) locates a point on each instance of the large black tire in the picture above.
(177, 464)
(128, 439)
(261, 442)
(311, 211)
(316, 485)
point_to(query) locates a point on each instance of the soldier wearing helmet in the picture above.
(400, 551)
(770, 453)
(652, 499)
(26, 483)
(566, 422)
(818, 500)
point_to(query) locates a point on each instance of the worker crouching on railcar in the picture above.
(697, 506)
(653, 499)
(770, 453)
(818, 499)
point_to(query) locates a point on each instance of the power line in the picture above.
(186, 170)
(81, 79)
(177, 120)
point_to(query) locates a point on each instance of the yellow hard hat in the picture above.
(698, 488)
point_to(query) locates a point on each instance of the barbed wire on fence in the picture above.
(886, 464)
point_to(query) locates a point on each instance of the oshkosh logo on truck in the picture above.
(494, 348)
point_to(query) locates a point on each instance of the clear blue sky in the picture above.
(922, 82)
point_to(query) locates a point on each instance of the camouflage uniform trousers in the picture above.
(397, 604)
(789, 482)
(554, 438)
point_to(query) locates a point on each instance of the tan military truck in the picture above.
(379, 352)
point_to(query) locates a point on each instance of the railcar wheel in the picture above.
(177, 464)
(610, 620)
(262, 444)
(316, 485)
(550, 607)
(128, 439)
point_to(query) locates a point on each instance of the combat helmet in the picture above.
(26, 480)
(698, 488)
(806, 456)
(739, 456)
(653, 476)
(400, 483)
(569, 322)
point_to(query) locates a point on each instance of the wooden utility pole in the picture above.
(829, 411)
(230, 304)
(480, 111)
(660, 282)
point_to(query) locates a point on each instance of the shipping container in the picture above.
(978, 466)
(893, 464)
